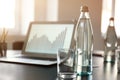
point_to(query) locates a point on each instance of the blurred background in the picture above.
(15, 16)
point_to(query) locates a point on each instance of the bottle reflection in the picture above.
(110, 42)
(84, 77)
(110, 71)
(89, 77)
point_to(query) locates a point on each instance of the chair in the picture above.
(17, 45)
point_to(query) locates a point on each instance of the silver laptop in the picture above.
(43, 41)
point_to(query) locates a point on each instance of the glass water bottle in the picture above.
(110, 42)
(84, 43)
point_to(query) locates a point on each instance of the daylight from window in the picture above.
(117, 17)
(106, 14)
(15, 15)
(7, 13)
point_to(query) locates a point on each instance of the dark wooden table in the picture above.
(14, 71)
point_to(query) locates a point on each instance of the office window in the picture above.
(106, 14)
(27, 13)
(15, 15)
(117, 17)
(7, 13)
(110, 8)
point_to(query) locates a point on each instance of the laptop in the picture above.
(42, 42)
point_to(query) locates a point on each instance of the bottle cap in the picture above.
(112, 18)
(84, 9)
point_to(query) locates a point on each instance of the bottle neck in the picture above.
(111, 23)
(84, 15)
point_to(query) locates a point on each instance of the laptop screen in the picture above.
(45, 38)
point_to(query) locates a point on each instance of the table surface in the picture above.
(15, 71)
